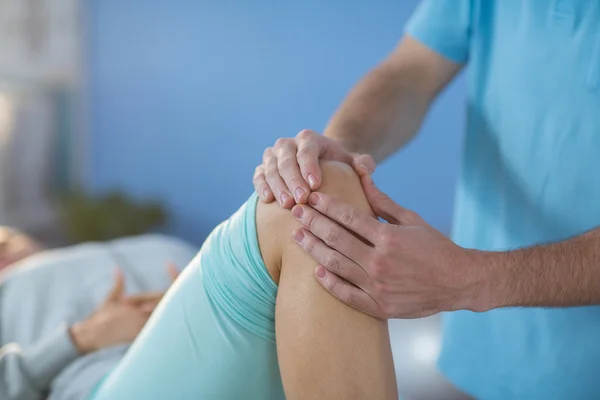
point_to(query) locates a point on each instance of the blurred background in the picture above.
(121, 117)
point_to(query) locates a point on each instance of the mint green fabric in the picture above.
(213, 335)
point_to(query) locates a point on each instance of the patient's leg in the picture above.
(325, 349)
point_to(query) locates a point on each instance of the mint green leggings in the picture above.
(213, 335)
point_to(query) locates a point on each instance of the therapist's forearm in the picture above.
(386, 108)
(379, 115)
(563, 274)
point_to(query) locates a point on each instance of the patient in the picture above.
(67, 317)
(247, 320)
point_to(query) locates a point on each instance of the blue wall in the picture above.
(185, 95)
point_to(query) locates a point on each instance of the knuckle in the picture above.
(331, 286)
(349, 297)
(334, 264)
(286, 161)
(332, 237)
(305, 134)
(278, 143)
(309, 245)
(310, 220)
(268, 153)
(347, 217)
(305, 152)
(296, 180)
(325, 203)
(281, 142)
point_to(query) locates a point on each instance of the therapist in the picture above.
(525, 255)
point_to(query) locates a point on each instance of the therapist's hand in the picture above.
(290, 169)
(409, 271)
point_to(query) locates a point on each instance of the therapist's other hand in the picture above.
(290, 169)
(409, 271)
(114, 322)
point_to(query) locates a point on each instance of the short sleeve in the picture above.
(444, 26)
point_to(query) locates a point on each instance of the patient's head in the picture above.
(15, 246)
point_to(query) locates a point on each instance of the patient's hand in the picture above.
(149, 300)
(119, 319)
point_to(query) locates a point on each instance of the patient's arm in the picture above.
(326, 349)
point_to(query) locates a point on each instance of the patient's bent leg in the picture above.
(325, 349)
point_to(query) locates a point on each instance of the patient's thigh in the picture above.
(190, 350)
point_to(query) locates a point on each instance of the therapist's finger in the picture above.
(308, 154)
(260, 185)
(333, 234)
(363, 164)
(276, 184)
(348, 293)
(330, 259)
(285, 150)
(385, 207)
(347, 215)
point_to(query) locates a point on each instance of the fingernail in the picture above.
(312, 180)
(265, 194)
(320, 272)
(299, 193)
(297, 212)
(314, 199)
(298, 235)
(363, 169)
(284, 197)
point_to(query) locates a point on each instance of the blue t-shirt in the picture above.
(530, 174)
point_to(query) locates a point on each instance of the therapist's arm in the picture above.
(379, 115)
(385, 109)
(562, 274)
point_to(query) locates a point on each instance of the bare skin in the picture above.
(382, 113)
(412, 270)
(325, 349)
(119, 319)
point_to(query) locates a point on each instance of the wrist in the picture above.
(82, 337)
(497, 281)
(485, 281)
